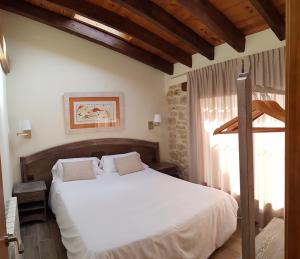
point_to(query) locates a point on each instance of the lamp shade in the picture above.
(25, 125)
(157, 119)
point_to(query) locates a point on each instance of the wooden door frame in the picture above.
(292, 147)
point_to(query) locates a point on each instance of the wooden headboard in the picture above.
(38, 166)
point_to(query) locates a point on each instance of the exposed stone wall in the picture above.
(178, 127)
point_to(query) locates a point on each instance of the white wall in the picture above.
(255, 43)
(46, 62)
(4, 144)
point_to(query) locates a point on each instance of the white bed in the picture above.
(141, 215)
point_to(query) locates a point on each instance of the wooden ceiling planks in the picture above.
(110, 5)
(216, 22)
(184, 16)
(121, 24)
(271, 15)
(242, 14)
(173, 30)
(51, 7)
(76, 28)
(132, 40)
(149, 11)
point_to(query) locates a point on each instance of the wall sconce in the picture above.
(156, 121)
(25, 127)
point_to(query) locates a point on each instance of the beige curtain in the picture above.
(213, 101)
(269, 165)
(267, 70)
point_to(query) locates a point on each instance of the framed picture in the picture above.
(85, 112)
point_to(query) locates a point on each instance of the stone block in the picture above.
(181, 116)
(183, 99)
(172, 121)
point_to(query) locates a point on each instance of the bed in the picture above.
(145, 214)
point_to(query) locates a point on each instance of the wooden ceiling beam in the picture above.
(86, 32)
(158, 16)
(268, 11)
(216, 21)
(113, 20)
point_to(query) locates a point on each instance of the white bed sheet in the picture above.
(141, 215)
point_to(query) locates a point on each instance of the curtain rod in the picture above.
(179, 75)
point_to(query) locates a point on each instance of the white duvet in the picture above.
(141, 215)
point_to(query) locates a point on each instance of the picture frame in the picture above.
(93, 111)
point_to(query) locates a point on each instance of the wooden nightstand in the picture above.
(32, 203)
(167, 168)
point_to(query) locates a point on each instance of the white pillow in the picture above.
(57, 169)
(108, 165)
(79, 170)
(128, 164)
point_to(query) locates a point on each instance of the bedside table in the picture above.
(32, 203)
(167, 168)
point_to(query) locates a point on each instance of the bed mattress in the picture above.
(141, 215)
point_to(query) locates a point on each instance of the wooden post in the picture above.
(292, 137)
(244, 93)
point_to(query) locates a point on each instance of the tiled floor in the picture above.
(42, 241)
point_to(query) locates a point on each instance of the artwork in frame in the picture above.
(85, 112)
